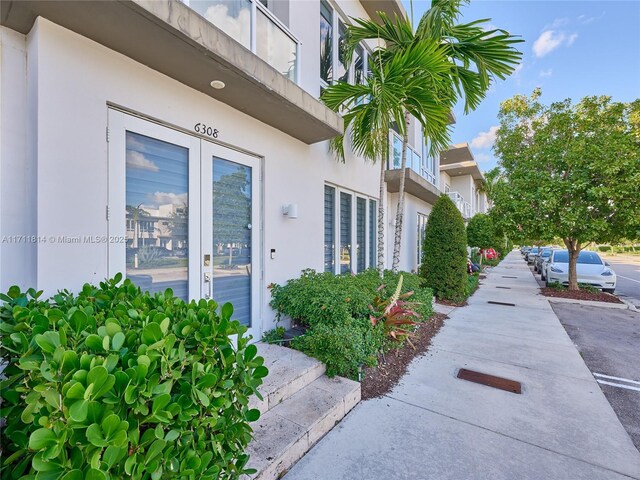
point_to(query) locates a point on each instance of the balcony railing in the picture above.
(464, 207)
(414, 159)
(252, 25)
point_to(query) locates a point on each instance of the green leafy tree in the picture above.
(444, 258)
(476, 58)
(570, 171)
(481, 232)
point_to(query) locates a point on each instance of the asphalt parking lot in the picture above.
(609, 342)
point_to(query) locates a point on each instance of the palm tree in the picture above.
(476, 57)
(393, 88)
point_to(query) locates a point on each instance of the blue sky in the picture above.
(572, 49)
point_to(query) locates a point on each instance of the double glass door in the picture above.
(184, 214)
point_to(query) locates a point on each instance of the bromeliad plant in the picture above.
(115, 383)
(396, 314)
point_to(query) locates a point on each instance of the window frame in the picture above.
(353, 261)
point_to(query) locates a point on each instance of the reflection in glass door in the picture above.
(232, 228)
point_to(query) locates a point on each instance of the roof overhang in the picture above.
(390, 7)
(169, 37)
(458, 153)
(463, 168)
(414, 184)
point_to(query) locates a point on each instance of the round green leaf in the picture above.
(42, 438)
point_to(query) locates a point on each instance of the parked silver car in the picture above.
(530, 257)
(544, 254)
(590, 269)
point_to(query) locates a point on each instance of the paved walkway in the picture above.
(435, 426)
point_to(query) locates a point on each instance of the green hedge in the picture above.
(336, 308)
(114, 383)
(444, 258)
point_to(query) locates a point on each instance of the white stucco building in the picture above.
(120, 153)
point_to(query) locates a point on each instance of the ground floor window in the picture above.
(349, 231)
(422, 226)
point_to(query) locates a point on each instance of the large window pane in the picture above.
(233, 17)
(361, 232)
(326, 45)
(329, 228)
(275, 47)
(157, 214)
(358, 64)
(232, 237)
(345, 232)
(397, 152)
(422, 226)
(343, 68)
(373, 227)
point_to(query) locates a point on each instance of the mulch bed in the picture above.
(451, 304)
(581, 295)
(391, 367)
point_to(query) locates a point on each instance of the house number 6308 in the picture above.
(206, 130)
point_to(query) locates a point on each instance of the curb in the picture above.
(591, 303)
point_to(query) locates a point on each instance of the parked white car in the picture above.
(590, 268)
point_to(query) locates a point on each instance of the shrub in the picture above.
(473, 282)
(344, 347)
(337, 310)
(444, 260)
(115, 383)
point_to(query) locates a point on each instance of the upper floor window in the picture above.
(342, 71)
(326, 42)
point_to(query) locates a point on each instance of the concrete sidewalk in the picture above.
(435, 426)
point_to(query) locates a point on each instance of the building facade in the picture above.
(183, 144)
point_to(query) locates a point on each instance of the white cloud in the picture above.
(546, 73)
(483, 157)
(549, 40)
(485, 139)
(138, 161)
(558, 22)
(586, 20)
(168, 198)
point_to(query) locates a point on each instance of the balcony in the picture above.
(415, 161)
(252, 25)
(173, 39)
(464, 207)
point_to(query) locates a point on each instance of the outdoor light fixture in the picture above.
(290, 210)
(217, 84)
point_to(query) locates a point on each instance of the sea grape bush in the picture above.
(114, 383)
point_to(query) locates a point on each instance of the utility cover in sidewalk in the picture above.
(490, 380)
(508, 276)
(502, 303)
(506, 288)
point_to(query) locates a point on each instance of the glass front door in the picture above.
(187, 212)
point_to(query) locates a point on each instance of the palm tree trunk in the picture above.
(383, 167)
(397, 240)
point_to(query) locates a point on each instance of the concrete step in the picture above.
(289, 372)
(288, 430)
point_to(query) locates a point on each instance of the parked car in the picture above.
(590, 269)
(524, 250)
(529, 257)
(490, 254)
(544, 254)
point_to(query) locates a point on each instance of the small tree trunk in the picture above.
(574, 250)
(383, 167)
(397, 240)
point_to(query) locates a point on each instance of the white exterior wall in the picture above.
(409, 252)
(445, 179)
(17, 165)
(74, 79)
(464, 186)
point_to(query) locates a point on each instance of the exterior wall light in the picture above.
(290, 210)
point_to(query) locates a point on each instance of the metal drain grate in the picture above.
(506, 288)
(502, 303)
(490, 380)
(508, 276)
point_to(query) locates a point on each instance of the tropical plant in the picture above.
(570, 171)
(116, 383)
(481, 232)
(406, 83)
(444, 257)
(476, 58)
(396, 314)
